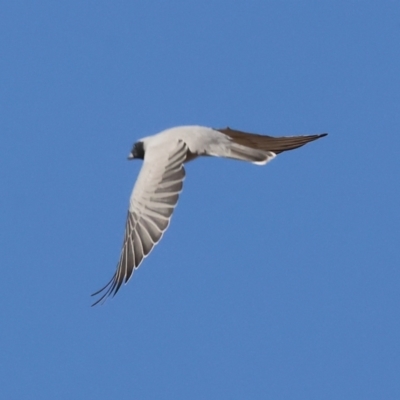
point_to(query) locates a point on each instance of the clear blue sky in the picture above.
(275, 282)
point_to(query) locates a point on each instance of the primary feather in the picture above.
(160, 181)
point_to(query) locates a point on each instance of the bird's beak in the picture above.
(131, 156)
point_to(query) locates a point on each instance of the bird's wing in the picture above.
(268, 143)
(152, 202)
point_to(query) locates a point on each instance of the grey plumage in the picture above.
(160, 181)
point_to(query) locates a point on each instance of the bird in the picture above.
(160, 181)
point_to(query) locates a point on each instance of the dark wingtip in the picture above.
(106, 290)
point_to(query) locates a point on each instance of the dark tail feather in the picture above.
(269, 143)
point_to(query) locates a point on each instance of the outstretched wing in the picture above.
(152, 203)
(268, 143)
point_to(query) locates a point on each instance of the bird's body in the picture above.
(160, 180)
(199, 140)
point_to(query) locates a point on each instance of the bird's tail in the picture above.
(256, 156)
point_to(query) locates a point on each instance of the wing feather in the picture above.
(269, 143)
(152, 203)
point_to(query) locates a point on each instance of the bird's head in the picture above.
(137, 151)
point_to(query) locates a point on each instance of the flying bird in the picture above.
(160, 181)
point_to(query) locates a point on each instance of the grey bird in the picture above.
(160, 181)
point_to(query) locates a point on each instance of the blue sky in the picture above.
(276, 282)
